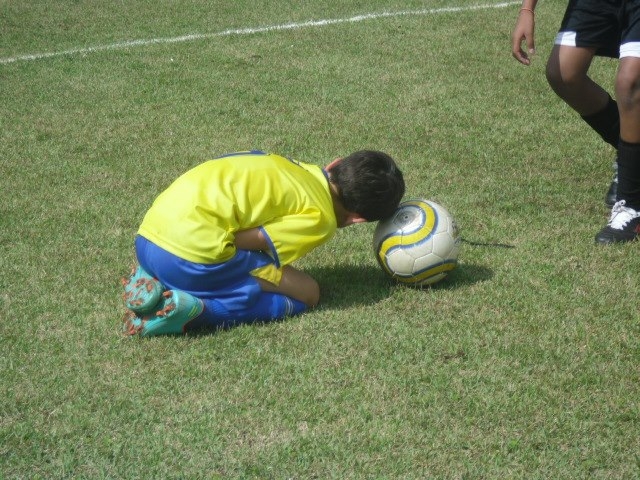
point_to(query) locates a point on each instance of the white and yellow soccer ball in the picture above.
(419, 244)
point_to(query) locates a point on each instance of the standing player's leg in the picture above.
(588, 28)
(567, 74)
(624, 223)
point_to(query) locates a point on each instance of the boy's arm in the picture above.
(252, 239)
(524, 33)
(293, 283)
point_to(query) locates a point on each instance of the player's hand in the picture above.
(523, 35)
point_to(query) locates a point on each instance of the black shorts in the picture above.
(602, 24)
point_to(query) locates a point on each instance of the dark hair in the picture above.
(369, 184)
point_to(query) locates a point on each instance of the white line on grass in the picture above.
(249, 31)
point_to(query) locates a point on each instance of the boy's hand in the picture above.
(523, 32)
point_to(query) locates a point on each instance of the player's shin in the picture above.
(269, 306)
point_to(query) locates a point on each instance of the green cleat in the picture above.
(175, 310)
(142, 291)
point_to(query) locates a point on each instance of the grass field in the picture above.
(524, 363)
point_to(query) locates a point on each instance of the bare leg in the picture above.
(628, 94)
(567, 70)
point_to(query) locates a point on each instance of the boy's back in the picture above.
(197, 215)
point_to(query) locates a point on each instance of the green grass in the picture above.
(524, 363)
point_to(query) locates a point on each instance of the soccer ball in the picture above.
(419, 244)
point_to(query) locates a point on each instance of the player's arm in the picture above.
(252, 239)
(524, 33)
(295, 284)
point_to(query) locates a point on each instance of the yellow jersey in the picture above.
(196, 217)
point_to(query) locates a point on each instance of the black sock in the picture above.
(629, 174)
(606, 122)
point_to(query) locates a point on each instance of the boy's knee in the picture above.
(552, 73)
(560, 79)
(628, 87)
(313, 294)
(566, 75)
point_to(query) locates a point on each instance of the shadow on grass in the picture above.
(464, 275)
(351, 285)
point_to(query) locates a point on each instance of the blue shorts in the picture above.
(230, 293)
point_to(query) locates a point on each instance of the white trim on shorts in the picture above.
(567, 39)
(630, 49)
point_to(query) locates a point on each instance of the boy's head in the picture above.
(368, 183)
